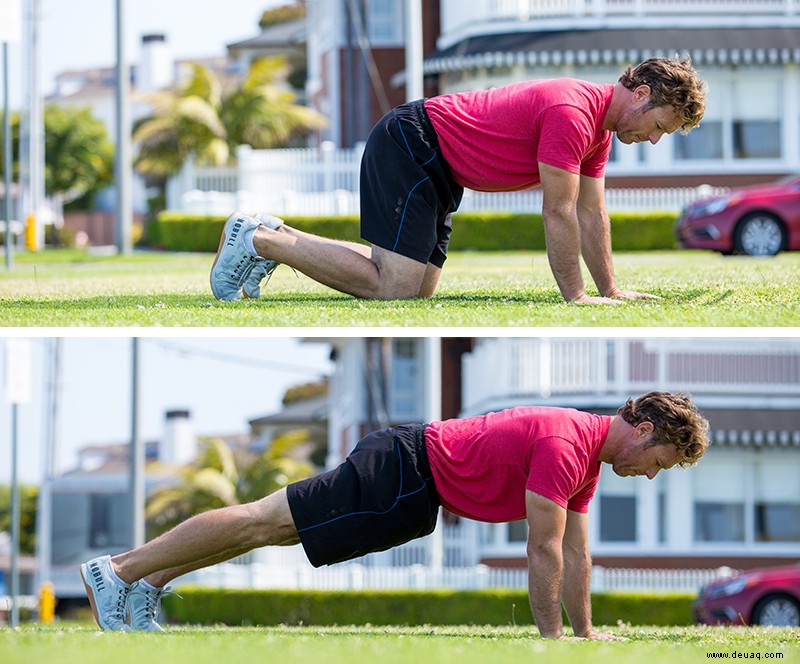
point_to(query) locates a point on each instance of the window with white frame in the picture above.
(706, 140)
(617, 508)
(385, 22)
(756, 122)
(776, 508)
(719, 503)
(405, 393)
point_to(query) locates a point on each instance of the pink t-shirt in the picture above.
(483, 465)
(493, 140)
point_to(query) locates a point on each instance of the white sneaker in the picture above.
(251, 288)
(144, 605)
(108, 595)
(233, 262)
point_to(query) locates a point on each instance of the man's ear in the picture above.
(644, 429)
(641, 92)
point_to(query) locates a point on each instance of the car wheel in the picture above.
(777, 610)
(759, 234)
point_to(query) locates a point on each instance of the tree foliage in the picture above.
(28, 497)
(205, 120)
(78, 154)
(220, 477)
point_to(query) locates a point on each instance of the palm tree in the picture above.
(205, 121)
(220, 477)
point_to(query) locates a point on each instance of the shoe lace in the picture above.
(152, 601)
(121, 601)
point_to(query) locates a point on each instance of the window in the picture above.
(777, 502)
(385, 22)
(518, 531)
(756, 127)
(617, 508)
(108, 522)
(705, 141)
(405, 391)
(719, 502)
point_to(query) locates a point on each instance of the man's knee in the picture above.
(271, 521)
(399, 277)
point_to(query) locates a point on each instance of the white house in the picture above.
(739, 507)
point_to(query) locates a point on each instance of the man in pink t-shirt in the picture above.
(420, 156)
(538, 464)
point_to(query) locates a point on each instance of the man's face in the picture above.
(638, 122)
(638, 457)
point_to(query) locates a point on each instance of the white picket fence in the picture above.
(419, 577)
(325, 181)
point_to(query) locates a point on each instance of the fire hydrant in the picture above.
(47, 603)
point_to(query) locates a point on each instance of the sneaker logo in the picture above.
(98, 577)
(234, 234)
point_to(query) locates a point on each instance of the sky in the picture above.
(223, 381)
(80, 34)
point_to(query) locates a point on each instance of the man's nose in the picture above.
(655, 137)
(651, 473)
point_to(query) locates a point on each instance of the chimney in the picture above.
(179, 444)
(156, 70)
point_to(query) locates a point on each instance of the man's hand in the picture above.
(632, 295)
(594, 636)
(617, 296)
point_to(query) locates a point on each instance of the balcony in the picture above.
(505, 372)
(463, 19)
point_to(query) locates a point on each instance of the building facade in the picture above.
(748, 51)
(739, 507)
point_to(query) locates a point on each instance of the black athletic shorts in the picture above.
(381, 496)
(408, 194)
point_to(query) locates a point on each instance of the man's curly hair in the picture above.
(672, 82)
(675, 419)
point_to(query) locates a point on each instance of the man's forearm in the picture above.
(544, 587)
(595, 234)
(576, 593)
(563, 252)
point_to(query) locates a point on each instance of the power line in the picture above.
(229, 358)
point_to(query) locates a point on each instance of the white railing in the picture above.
(353, 576)
(457, 14)
(325, 181)
(503, 368)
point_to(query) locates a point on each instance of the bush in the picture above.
(484, 231)
(405, 607)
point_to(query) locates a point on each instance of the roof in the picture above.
(718, 46)
(306, 411)
(290, 33)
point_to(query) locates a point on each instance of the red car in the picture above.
(758, 221)
(755, 597)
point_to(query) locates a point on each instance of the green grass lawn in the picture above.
(357, 645)
(68, 288)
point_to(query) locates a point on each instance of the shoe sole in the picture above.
(90, 594)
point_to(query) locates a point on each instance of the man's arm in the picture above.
(558, 548)
(576, 593)
(595, 233)
(546, 522)
(560, 190)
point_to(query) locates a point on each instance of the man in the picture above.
(539, 464)
(421, 155)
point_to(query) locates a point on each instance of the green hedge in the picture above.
(436, 607)
(487, 231)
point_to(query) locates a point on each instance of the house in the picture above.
(356, 48)
(746, 51)
(739, 507)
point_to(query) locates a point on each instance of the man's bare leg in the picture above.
(208, 538)
(352, 268)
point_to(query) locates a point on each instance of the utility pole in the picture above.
(415, 85)
(137, 487)
(122, 175)
(10, 26)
